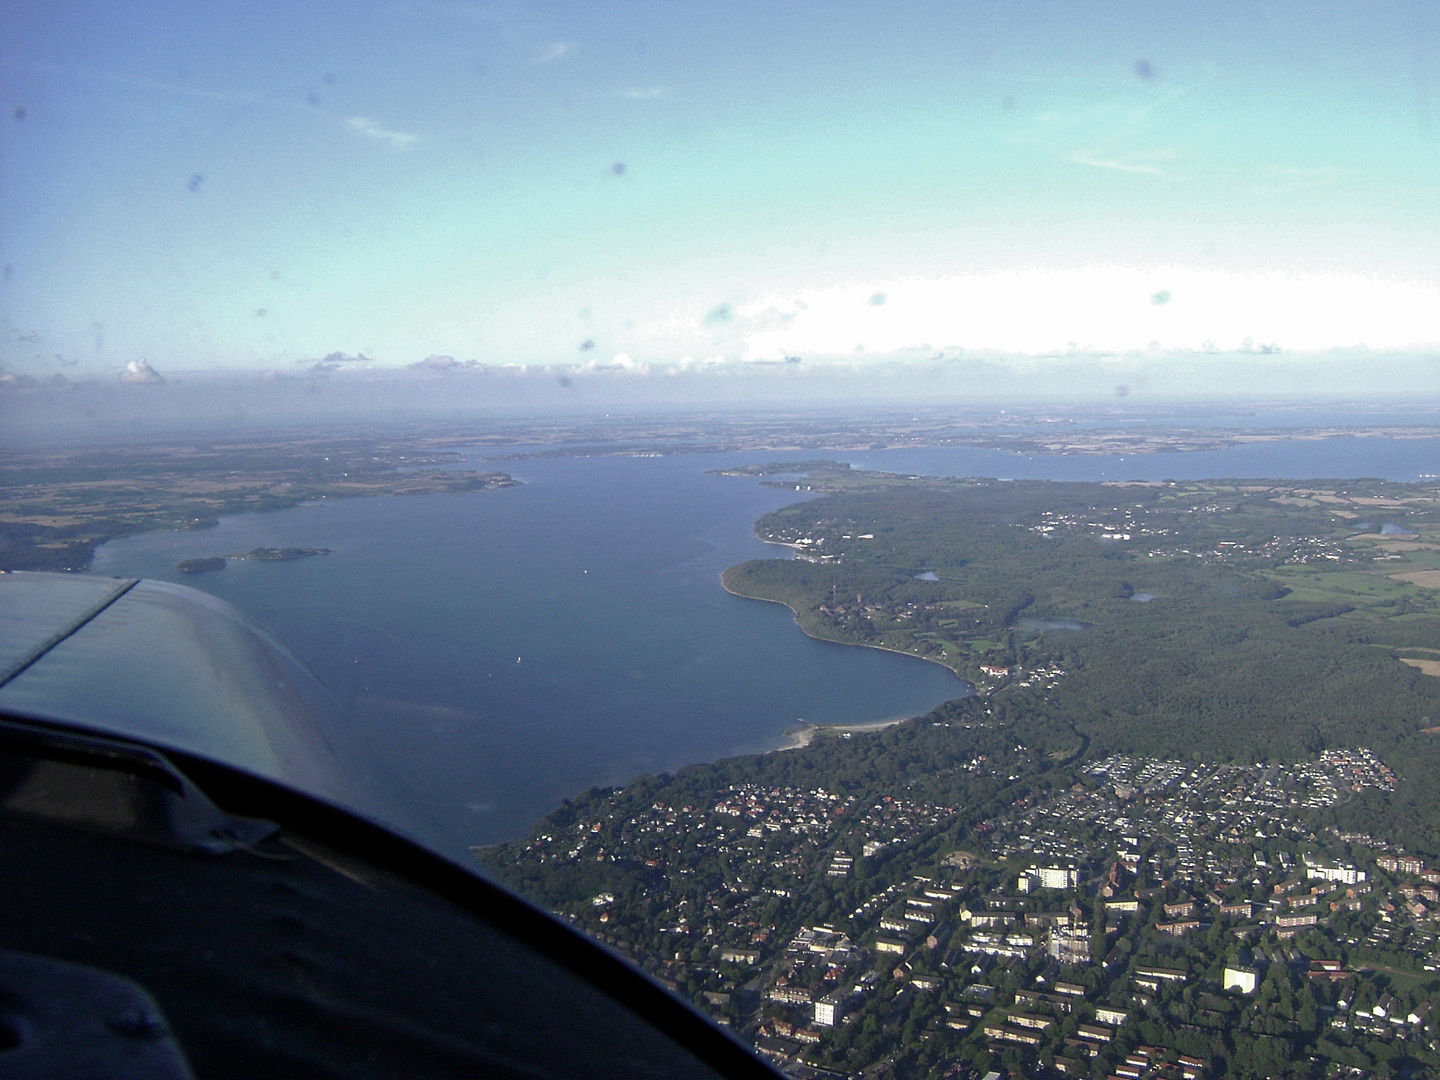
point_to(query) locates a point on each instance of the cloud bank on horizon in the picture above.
(1098, 310)
(660, 189)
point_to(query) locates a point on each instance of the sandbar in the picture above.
(804, 733)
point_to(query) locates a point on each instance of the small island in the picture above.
(201, 566)
(263, 554)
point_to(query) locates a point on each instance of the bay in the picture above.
(497, 652)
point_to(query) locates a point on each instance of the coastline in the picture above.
(74, 504)
(855, 644)
(300, 503)
(805, 732)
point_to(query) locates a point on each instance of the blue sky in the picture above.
(681, 185)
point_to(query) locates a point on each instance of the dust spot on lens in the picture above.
(329, 78)
(195, 182)
(564, 380)
(1007, 103)
(262, 312)
(1144, 69)
(877, 300)
(312, 98)
(20, 113)
(1122, 390)
(1161, 298)
(721, 314)
(618, 168)
(586, 345)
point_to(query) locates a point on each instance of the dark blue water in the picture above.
(499, 651)
(502, 650)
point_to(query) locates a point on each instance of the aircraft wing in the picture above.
(187, 894)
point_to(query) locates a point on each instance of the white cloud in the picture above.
(140, 371)
(1082, 158)
(365, 126)
(554, 51)
(619, 362)
(1090, 310)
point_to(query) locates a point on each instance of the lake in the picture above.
(499, 651)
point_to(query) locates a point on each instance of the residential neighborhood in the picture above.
(1152, 918)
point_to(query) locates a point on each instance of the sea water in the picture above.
(499, 651)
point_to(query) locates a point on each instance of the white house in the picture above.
(1241, 978)
(829, 1009)
(1334, 871)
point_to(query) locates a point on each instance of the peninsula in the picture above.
(1185, 828)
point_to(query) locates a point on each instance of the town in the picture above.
(1151, 918)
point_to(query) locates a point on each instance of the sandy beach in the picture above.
(804, 733)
